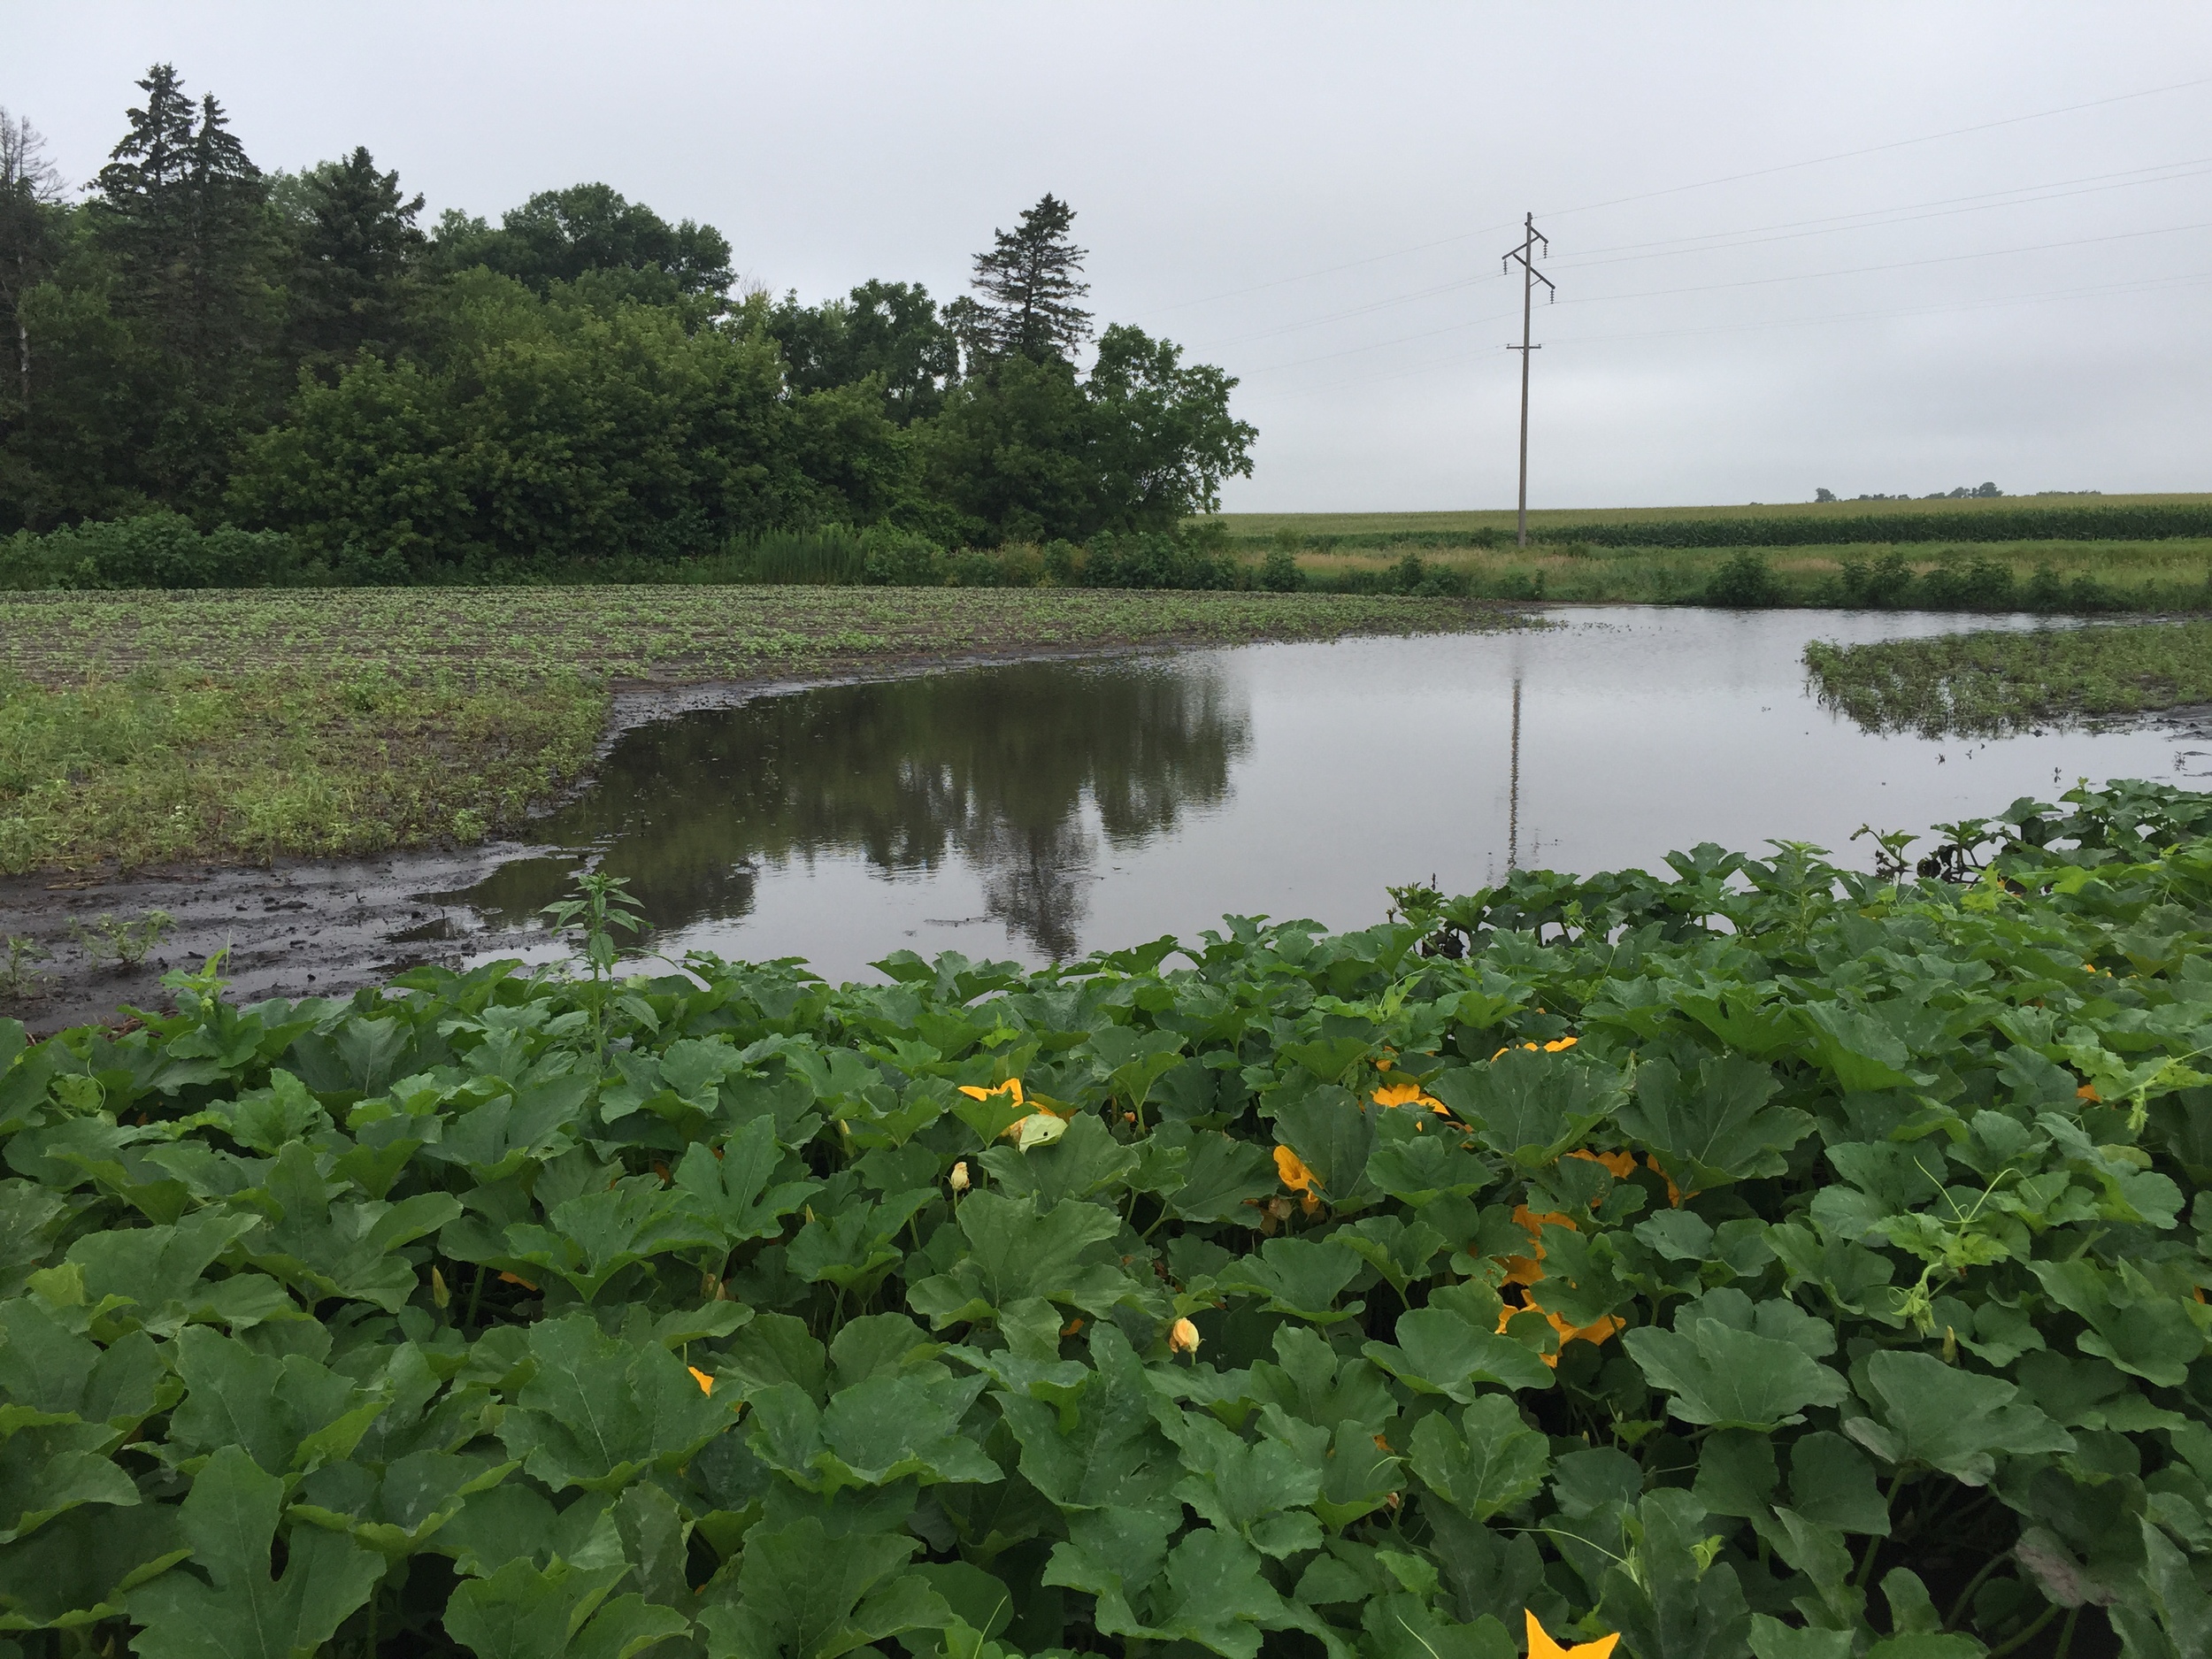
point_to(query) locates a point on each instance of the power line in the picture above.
(1751, 236)
(1801, 276)
(2146, 285)
(1876, 150)
(1589, 207)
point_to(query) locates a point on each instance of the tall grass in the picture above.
(828, 556)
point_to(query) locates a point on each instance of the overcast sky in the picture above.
(1870, 247)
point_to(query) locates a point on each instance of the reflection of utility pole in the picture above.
(1513, 789)
(1530, 278)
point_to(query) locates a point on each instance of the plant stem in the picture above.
(2027, 1635)
(1972, 1585)
(1874, 1545)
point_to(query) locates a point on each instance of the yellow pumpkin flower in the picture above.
(1012, 1086)
(1298, 1178)
(1182, 1338)
(705, 1382)
(1407, 1094)
(1541, 1646)
(2088, 1092)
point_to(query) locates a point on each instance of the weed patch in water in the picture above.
(1993, 681)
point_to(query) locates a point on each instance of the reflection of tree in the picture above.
(992, 765)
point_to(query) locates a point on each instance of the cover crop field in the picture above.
(1763, 1257)
(140, 728)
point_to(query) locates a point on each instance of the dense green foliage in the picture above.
(2001, 681)
(294, 353)
(1763, 1257)
(1823, 529)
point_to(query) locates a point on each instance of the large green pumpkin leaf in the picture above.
(1529, 1105)
(1490, 1462)
(737, 1193)
(1675, 1606)
(1224, 1180)
(1724, 1377)
(1716, 1129)
(1440, 1353)
(287, 1415)
(1105, 1448)
(2134, 1325)
(599, 1413)
(558, 1612)
(803, 1593)
(1017, 1254)
(238, 1610)
(1928, 1412)
(1334, 1136)
(1299, 1276)
(75, 1569)
(1258, 1490)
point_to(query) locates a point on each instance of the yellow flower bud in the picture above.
(1183, 1338)
(960, 1177)
(438, 1293)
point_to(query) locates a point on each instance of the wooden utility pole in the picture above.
(1530, 277)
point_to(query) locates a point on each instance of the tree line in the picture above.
(299, 352)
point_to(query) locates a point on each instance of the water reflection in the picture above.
(1018, 772)
(1049, 809)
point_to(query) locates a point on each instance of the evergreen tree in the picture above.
(180, 211)
(358, 248)
(1030, 280)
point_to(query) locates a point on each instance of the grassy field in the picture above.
(230, 726)
(1262, 527)
(1997, 682)
(2165, 575)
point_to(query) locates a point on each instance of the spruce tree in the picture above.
(180, 208)
(358, 249)
(1030, 281)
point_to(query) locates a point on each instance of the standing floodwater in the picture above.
(1042, 810)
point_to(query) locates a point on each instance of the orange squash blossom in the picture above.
(1540, 1645)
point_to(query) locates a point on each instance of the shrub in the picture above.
(1279, 572)
(1984, 584)
(1743, 582)
(2046, 591)
(1883, 585)
(900, 559)
(162, 549)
